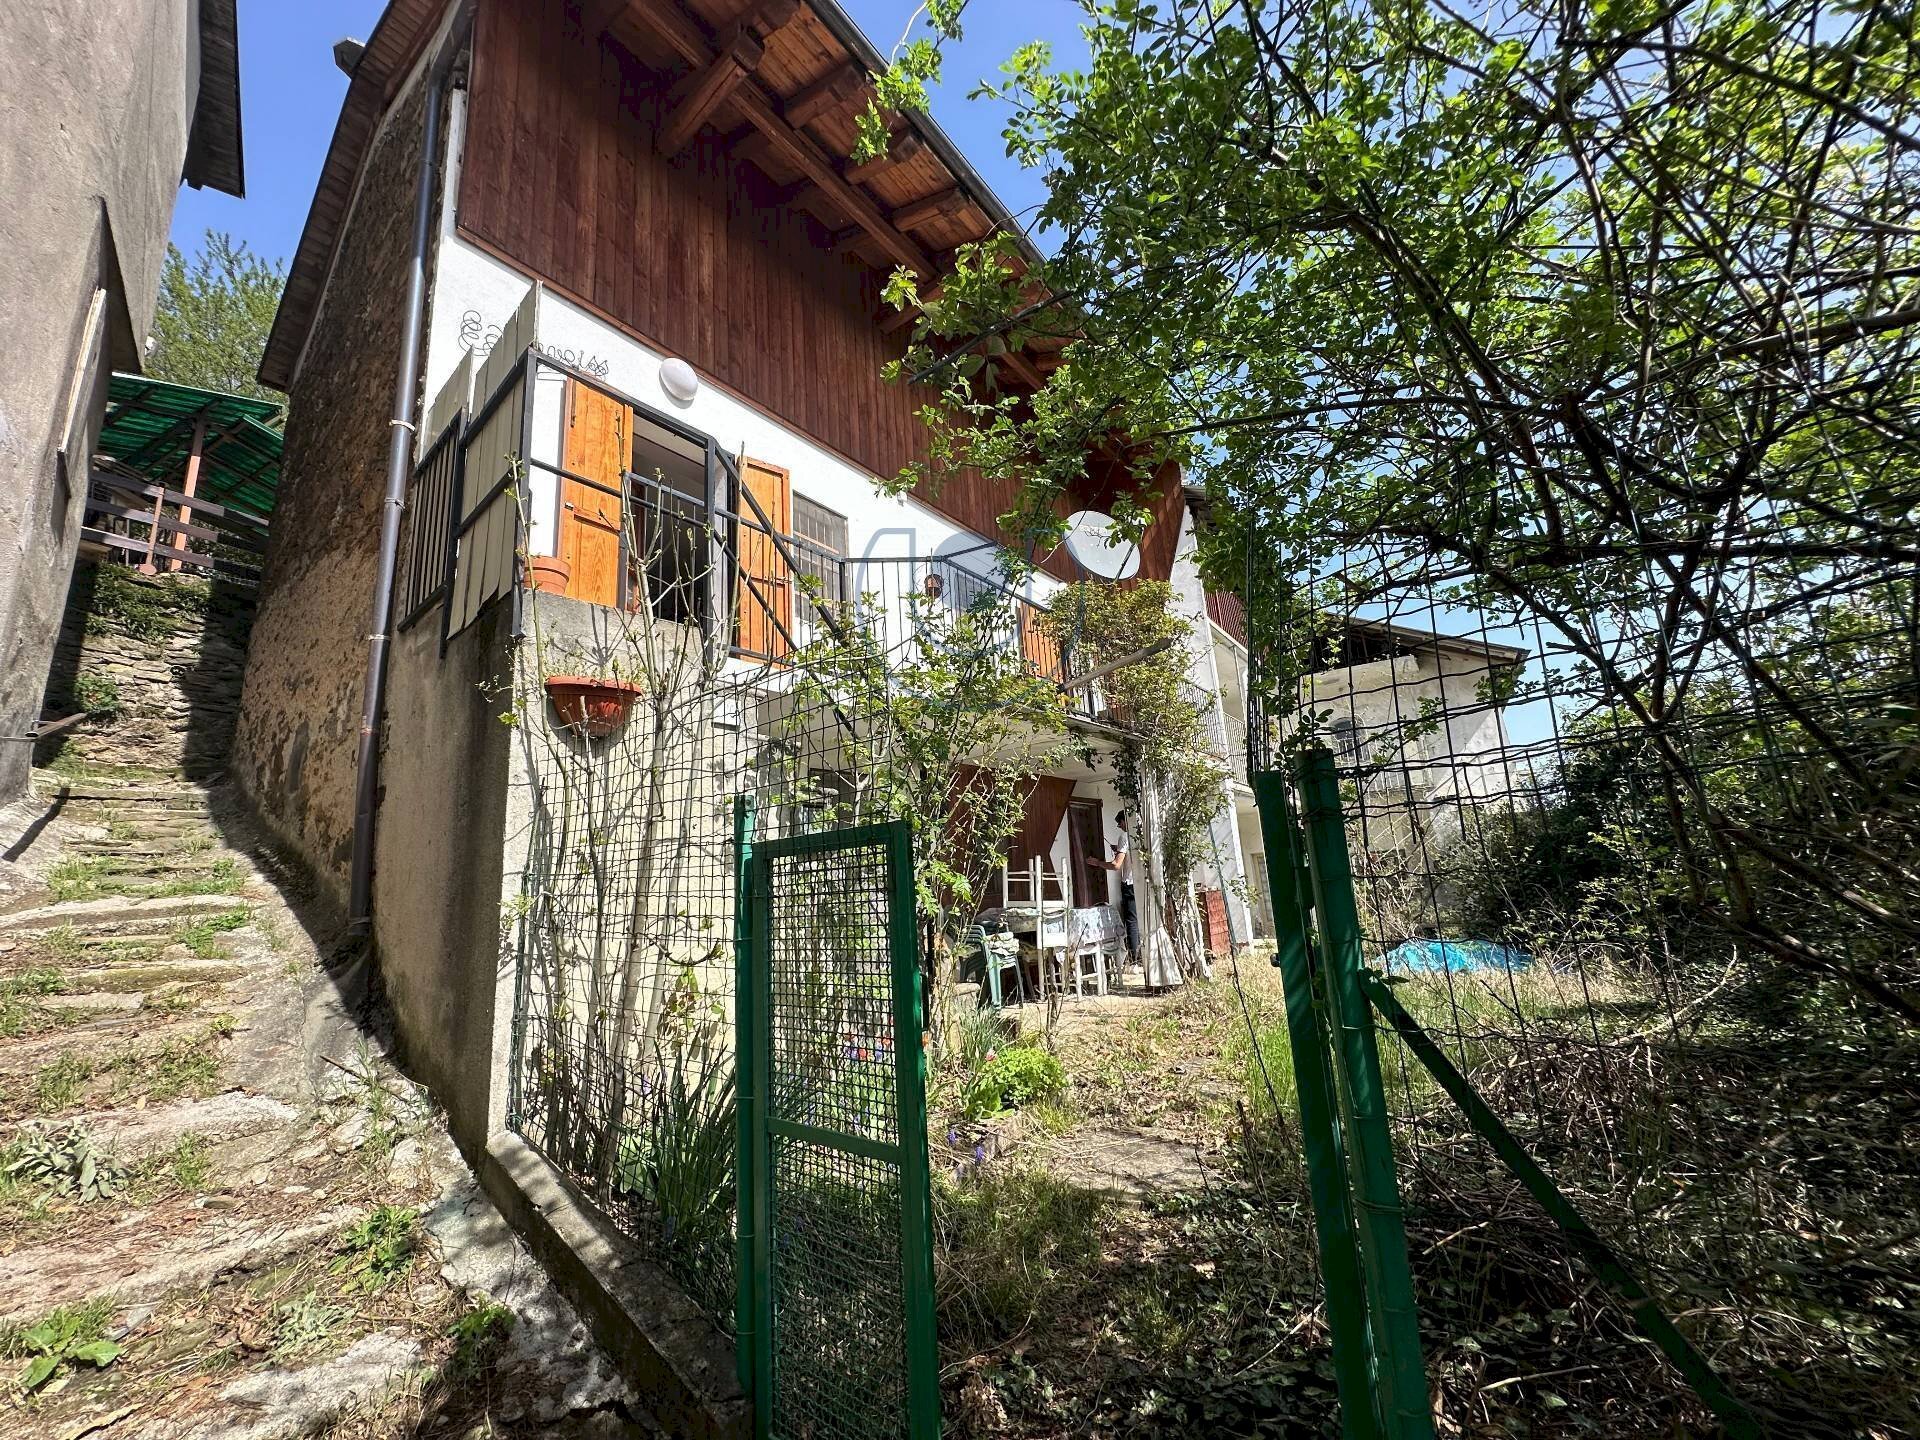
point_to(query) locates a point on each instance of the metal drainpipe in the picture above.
(399, 465)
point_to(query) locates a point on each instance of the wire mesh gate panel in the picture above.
(836, 1331)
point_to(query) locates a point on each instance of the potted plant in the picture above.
(591, 705)
(548, 574)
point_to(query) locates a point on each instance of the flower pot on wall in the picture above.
(590, 706)
(548, 574)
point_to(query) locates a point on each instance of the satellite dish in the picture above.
(1099, 549)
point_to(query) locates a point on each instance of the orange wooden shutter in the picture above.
(1040, 648)
(599, 431)
(765, 595)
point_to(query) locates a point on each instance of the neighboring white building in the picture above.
(1416, 717)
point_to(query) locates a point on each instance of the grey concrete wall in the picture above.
(95, 102)
(438, 864)
(298, 735)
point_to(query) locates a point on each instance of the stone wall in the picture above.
(296, 742)
(160, 659)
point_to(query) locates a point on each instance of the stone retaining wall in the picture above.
(159, 659)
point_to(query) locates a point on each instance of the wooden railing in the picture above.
(156, 528)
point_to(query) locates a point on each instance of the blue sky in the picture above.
(291, 93)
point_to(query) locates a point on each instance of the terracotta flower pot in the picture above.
(548, 574)
(590, 706)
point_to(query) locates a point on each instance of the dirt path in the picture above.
(275, 1236)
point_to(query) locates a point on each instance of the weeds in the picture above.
(22, 1007)
(478, 1334)
(188, 1163)
(1009, 1244)
(201, 936)
(71, 1336)
(64, 943)
(58, 1083)
(304, 1324)
(1008, 1079)
(63, 1162)
(89, 877)
(378, 1249)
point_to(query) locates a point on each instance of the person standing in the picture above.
(1122, 864)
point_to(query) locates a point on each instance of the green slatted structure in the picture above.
(149, 429)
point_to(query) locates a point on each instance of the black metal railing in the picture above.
(433, 499)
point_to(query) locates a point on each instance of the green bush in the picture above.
(1009, 1079)
(97, 694)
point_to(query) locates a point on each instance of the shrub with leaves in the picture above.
(97, 694)
(64, 1161)
(1009, 1079)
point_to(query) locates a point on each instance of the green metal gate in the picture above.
(835, 1307)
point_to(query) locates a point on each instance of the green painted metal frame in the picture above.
(1393, 1319)
(1287, 884)
(1600, 1257)
(748, 1278)
(753, 978)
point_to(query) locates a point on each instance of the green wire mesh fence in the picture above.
(1627, 843)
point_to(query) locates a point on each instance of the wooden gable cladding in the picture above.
(695, 252)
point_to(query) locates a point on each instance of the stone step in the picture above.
(327, 1397)
(169, 847)
(133, 794)
(157, 868)
(145, 1254)
(119, 912)
(137, 976)
(131, 1133)
(98, 1040)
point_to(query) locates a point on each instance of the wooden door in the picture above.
(1086, 846)
(599, 447)
(765, 592)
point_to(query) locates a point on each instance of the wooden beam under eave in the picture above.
(1022, 369)
(597, 16)
(832, 90)
(929, 208)
(701, 91)
(900, 149)
(672, 25)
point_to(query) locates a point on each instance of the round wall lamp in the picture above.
(679, 381)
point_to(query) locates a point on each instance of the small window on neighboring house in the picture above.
(1346, 739)
(823, 534)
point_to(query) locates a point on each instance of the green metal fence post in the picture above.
(746, 1089)
(1393, 1320)
(1313, 1089)
(760, 1051)
(916, 1198)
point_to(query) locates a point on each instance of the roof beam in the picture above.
(929, 208)
(701, 90)
(838, 86)
(672, 25)
(597, 15)
(900, 149)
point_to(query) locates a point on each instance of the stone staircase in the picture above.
(279, 1239)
